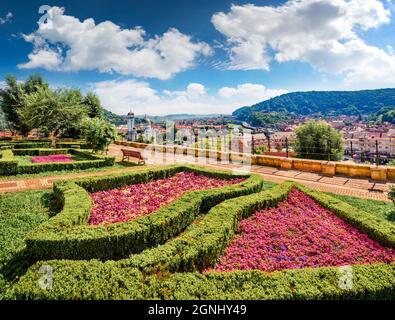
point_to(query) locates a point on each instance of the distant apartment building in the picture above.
(368, 142)
(276, 139)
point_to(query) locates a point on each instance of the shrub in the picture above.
(391, 194)
(375, 281)
(98, 133)
(38, 152)
(7, 163)
(67, 235)
(26, 144)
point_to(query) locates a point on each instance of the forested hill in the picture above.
(365, 102)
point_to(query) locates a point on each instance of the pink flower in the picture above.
(131, 202)
(299, 233)
(52, 158)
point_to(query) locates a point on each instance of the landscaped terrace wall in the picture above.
(330, 168)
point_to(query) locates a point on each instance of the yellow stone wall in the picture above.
(317, 166)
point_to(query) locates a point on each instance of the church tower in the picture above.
(131, 134)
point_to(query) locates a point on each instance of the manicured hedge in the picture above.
(148, 275)
(80, 280)
(6, 154)
(76, 144)
(376, 281)
(26, 144)
(8, 166)
(105, 280)
(67, 236)
(38, 152)
(7, 162)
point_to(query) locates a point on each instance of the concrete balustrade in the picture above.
(330, 168)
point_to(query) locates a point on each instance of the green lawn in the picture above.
(385, 210)
(19, 213)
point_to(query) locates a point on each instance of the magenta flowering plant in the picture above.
(52, 158)
(134, 201)
(299, 233)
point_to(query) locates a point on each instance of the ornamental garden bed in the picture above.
(30, 161)
(134, 201)
(69, 235)
(299, 233)
(182, 267)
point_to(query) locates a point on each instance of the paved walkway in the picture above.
(364, 188)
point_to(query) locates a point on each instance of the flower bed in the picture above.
(133, 201)
(52, 158)
(9, 165)
(299, 233)
(170, 270)
(69, 236)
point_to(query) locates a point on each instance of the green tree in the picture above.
(95, 109)
(12, 100)
(391, 194)
(98, 133)
(260, 149)
(53, 111)
(318, 140)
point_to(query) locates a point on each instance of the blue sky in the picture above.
(161, 57)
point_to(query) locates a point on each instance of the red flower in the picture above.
(130, 202)
(52, 158)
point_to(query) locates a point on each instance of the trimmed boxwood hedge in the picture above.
(9, 166)
(105, 280)
(26, 144)
(67, 236)
(76, 144)
(7, 162)
(375, 281)
(38, 152)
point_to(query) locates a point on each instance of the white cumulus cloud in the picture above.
(325, 34)
(6, 18)
(120, 96)
(65, 43)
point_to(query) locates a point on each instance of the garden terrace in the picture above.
(68, 234)
(173, 270)
(18, 161)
